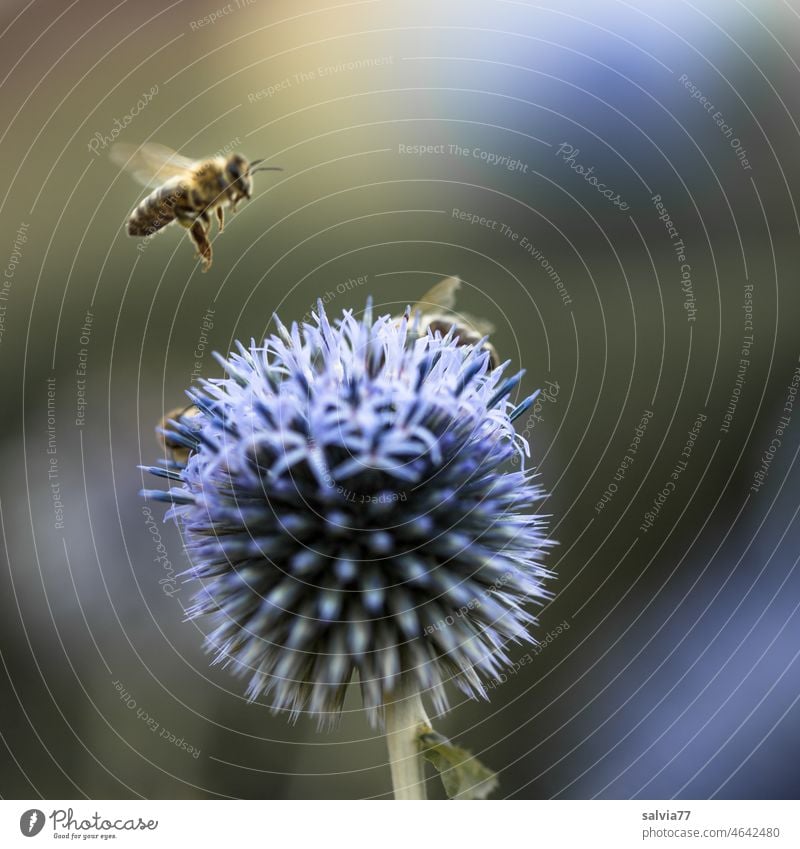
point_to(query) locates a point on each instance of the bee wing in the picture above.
(151, 164)
(441, 296)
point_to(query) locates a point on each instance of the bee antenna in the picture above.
(265, 168)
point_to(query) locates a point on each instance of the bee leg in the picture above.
(221, 218)
(199, 235)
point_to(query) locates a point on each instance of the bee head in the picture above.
(238, 172)
(251, 169)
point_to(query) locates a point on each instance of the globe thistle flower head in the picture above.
(348, 510)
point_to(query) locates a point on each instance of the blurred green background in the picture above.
(678, 674)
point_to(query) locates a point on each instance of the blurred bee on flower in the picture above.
(185, 190)
(435, 311)
(174, 445)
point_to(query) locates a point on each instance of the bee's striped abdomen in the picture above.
(156, 210)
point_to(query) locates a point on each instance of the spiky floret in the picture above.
(348, 508)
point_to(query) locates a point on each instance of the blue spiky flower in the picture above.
(347, 507)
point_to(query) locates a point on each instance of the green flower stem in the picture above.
(406, 720)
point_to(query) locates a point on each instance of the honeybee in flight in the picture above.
(185, 190)
(436, 313)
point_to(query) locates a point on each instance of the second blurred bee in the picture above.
(436, 313)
